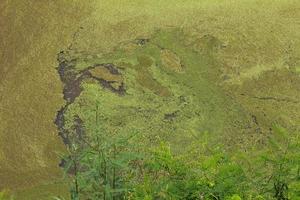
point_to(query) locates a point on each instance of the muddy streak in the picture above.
(78, 137)
(72, 89)
(108, 84)
(79, 127)
(60, 123)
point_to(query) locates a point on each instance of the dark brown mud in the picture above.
(72, 88)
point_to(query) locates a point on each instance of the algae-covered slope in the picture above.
(253, 44)
(157, 87)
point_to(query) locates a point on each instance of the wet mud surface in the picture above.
(72, 88)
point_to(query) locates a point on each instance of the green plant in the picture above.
(282, 165)
(165, 176)
(107, 166)
(100, 164)
(170, 176)
(235, 197)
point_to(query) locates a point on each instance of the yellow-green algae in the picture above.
(160, 101)
(255, 33)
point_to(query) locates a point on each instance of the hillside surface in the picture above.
(168, 69)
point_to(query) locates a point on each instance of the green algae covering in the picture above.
(157, 87)
(232, 71)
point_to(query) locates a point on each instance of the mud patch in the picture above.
(106, 75)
